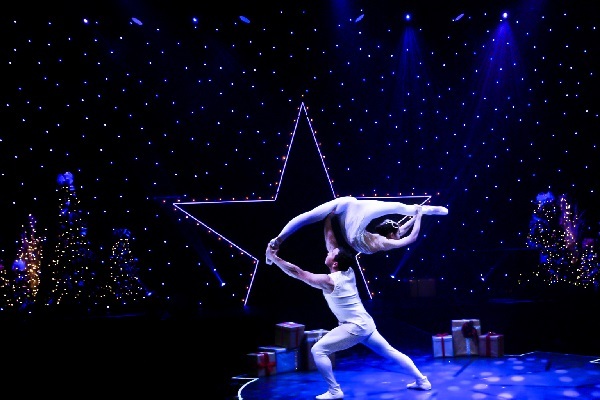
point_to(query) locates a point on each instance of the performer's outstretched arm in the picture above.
(411, 238)
(319, 281)
(405, 226)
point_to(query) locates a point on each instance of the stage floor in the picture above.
(364, 375)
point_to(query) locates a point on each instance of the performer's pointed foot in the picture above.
(336, 394)
(274, 243)
(435, 210)
(420, 384)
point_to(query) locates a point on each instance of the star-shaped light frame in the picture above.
(180, 206)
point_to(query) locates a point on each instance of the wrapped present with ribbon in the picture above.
(262, 363)
(491, 345)
(311, 337)
(465, 337)
(442, 345)
(289, 335)
(286, 359)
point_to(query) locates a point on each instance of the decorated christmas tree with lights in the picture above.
(27, 267)
(554, 230)
(74, 265)
(587, 275)
(123, 287)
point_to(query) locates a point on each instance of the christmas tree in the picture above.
(546, 235)
(587, 275)
(123, 289)
(27, 266)
(554, 230)
(74, 266)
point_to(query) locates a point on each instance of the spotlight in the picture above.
(244, 19)
(407, 17)
(361, 16)
(504, 15)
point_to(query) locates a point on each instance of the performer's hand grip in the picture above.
(273, 244)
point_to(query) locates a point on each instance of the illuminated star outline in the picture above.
(256, 261)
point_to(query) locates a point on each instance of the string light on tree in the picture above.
(30, 258)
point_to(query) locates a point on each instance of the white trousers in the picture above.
(340, 339)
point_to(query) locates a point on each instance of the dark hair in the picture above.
(344, 258)
(386, 227)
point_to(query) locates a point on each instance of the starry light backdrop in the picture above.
(149, 106)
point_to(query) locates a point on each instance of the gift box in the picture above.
(311, 337)
(491, 345)
(465, 337)
(286, 359)
(262, 363)
(289, 335)
(442, 345)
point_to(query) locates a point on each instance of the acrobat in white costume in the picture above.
(354, 215)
